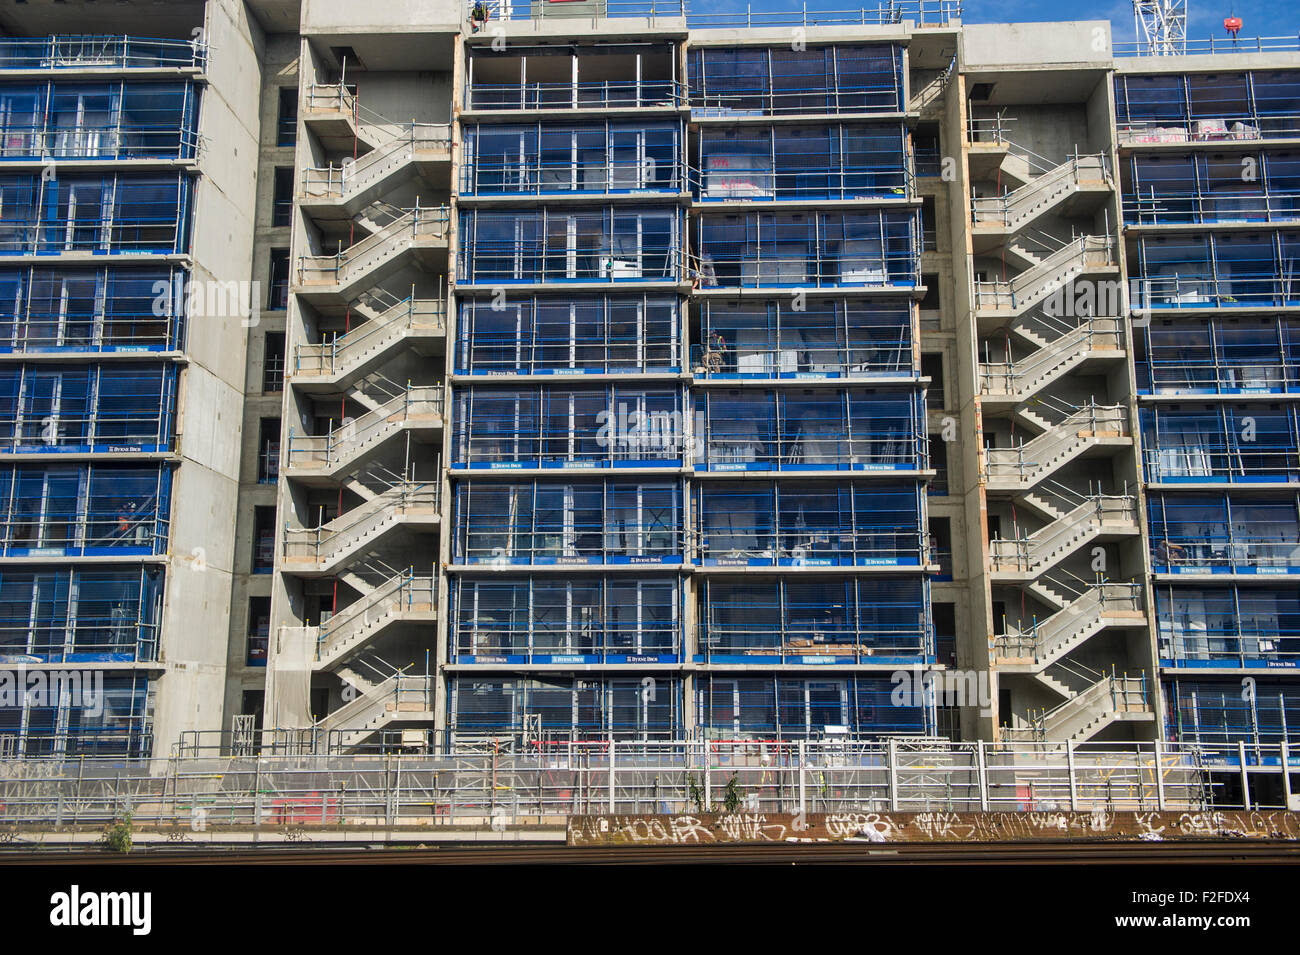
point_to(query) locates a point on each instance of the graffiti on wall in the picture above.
(920, 827)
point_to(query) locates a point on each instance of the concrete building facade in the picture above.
(658, 377)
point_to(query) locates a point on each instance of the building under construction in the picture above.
(617, 370)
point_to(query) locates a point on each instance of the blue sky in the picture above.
(1204, 18)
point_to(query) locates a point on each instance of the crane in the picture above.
(1161, 26)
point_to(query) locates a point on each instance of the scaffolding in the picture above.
(624, 334)
(555, 245)
(619, 708)
(759, 81)
(1201, 187)
(802, 162)
(97, 121)
(106, 309)
(80, 615)
(1235, 443)
(1216, 107)
(597, 426)
(807, 430)
(71, 714)
(78, 52)
(513, 619)
(833, 338)
(780, 708)
(1228, 627)
(1218, 356)
(1230, 721)
(877, 248)
(852, 620)
(1219, 269)
(612, 76)
(549, 780)
(603, 522)
(84, 510)
(94, 214)
(864, 524)
(88, 408)
(1224, 533)
(537, 159)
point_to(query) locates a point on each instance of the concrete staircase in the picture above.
(1063, 440)
(404, 597)
(1094, 516)
(1098, 606)
(351, 444)
(399, 697)
(1019, 381)
(1086, 712)
(355, 182)
(361, 266)
(344, 359)
(1040, 194)
(1080, 256)
(331, 545)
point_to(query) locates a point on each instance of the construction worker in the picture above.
(478, 16)
(714, 354)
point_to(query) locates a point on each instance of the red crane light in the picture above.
(1232, 25)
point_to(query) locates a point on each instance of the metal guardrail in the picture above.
(921, 12)
(602, 94)
(74, 52)
(329, 98)
(1259, 44)
(125, 141)
(1243, 205)
(524, 10)
(1240, 128)
(489, 781)
(1208, 289)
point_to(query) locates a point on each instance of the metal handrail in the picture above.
(1197, 207)
(1249, 127)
